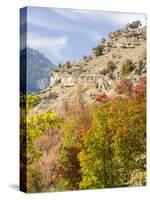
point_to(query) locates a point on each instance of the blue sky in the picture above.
(67, 34)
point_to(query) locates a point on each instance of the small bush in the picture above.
(141, 63)
(32, 100)
(59, 65)
(104, 71)
(127, 67)
(134, 24)
(35, 179)
(111, 65)
(98, 50)
(85, 57)
(52, 95)
(138, 72)
(97, 85)
(56, 69)
(111, 76)
(103, 40)
(68, 64)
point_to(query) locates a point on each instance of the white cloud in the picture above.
(61, 26)
(54, 23)
(120, 18)
(68, 13)
(43, 23)
(51, 46)
(77, 15)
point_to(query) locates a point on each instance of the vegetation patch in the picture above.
(127, 67)
(98, 50)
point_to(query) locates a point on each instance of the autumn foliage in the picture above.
(111, 151)
(114, 147)
(104, 144)
(101, 97)
(125, 86)
(140, 87)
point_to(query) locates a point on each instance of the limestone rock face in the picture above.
(95, 74)
(127, 38)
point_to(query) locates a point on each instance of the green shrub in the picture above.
(97, 85)
(68, 64)
(85, 57)
(138, 72)
(141, 63)
(35, 180)
(32, 100)
(103, 40)
(104, 71)
(59, 65)
(110, 68)
(98, 50)
(134, 24)
(52, 95)
(36, 127)
(127, 67)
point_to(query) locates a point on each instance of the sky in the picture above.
(68, 34)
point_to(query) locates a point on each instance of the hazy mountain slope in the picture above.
(38, 69)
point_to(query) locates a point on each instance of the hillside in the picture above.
(97, 74)
(87, 130)
(38, 68)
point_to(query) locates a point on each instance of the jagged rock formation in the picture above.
(96, 74)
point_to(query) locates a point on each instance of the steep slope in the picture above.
(38, 68)
(123, 56)
(97, 74)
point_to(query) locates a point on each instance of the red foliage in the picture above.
(102, 97)
(125, 87)
(140, 87)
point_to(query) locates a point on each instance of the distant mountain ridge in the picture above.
(38, 69)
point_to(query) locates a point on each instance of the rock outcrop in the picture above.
(127, 38)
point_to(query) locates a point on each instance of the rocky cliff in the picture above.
(123, 55)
